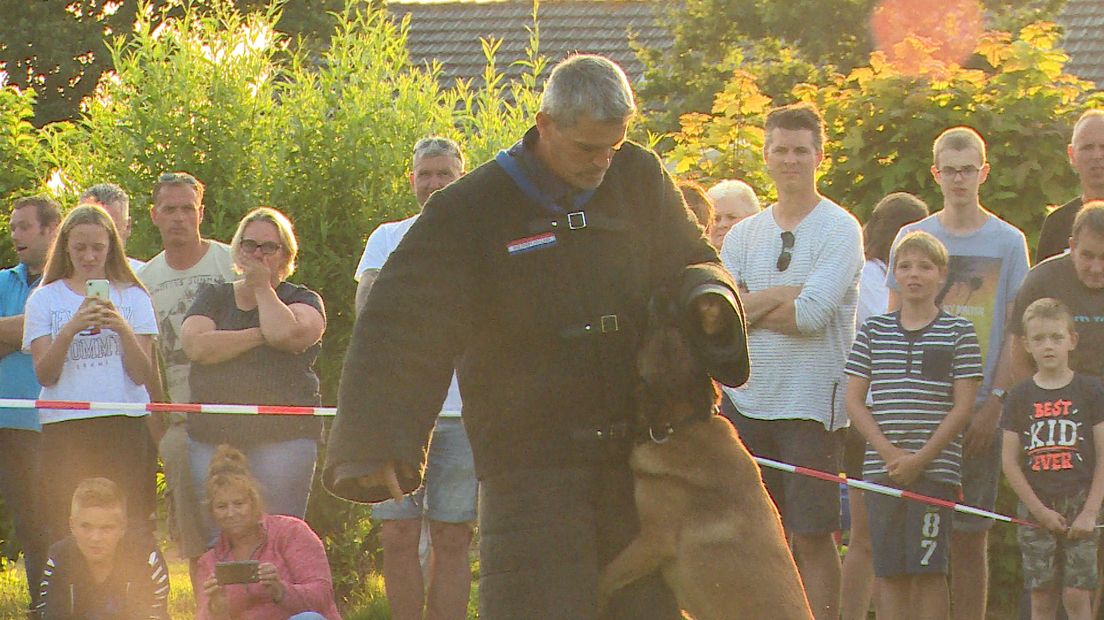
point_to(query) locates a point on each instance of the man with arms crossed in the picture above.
(34, 224)
(798, 264)
(988, 261)
(448, 497)
(1086, 156)
(173, 278)
(535, 272)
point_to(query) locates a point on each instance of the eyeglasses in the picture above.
(268, 248)
(787, 251)
(967, 172)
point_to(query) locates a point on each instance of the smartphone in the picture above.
(242, 571)
(100, 289)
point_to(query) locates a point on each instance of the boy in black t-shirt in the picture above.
(1053, 433)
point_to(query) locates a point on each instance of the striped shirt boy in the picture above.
(912, 375)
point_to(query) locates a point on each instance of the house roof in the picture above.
(450, 33)
(1084, 40)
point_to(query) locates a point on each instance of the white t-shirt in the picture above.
(381, 243)
(873, 292)
(93, 370)
(135, 264)
(173, 292)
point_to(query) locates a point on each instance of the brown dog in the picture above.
(706, 520)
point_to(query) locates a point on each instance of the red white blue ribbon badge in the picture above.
(528, 244)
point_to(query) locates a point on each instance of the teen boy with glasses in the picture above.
(988, 262)
(798, 263)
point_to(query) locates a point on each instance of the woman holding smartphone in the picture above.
(262, 567)
(92, 347)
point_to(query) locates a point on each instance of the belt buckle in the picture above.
(576, 220)
(609, 323)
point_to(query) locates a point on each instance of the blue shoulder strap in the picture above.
(526, 185)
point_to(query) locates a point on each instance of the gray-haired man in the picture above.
(532, 276)
(446, 502)
(116, 202)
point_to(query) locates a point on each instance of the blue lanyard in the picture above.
(526, 185)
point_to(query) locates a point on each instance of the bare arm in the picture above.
(204, 344)
(863, 419)
(760, 304)
(137, 350)
(367, 279)
(1085, 522)
(983, 427)
(965, 391)
(11, 334)
(291, 328)
(782, 319)
(49, 353)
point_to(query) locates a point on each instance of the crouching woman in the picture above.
(292, 578)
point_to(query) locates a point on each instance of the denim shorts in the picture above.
(1048, 558)
(451, 490)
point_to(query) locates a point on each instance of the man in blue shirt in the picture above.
(33, 225)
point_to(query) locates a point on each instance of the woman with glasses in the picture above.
(254, 341)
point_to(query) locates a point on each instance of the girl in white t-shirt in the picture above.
(87, 349)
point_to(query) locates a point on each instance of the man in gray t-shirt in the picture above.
(988, 262)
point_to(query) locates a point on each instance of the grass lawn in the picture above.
(371, 604)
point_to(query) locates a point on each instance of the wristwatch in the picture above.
(999, 393)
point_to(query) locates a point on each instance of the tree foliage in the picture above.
(60, 47)
(882, 118)
(325, 137)
(781, 43)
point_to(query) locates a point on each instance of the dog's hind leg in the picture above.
(642, 557)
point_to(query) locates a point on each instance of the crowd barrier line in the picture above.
(862, 485)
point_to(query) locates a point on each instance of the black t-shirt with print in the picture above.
(1056, 433)
(260, 376)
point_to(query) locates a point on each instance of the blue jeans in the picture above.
(19, 466)
(451, 490)
(284, 471)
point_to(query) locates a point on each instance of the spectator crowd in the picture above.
(922, 351)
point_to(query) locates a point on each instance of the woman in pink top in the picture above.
(293, 580)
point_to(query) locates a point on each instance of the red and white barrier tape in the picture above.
(863, 485)
(21, 403)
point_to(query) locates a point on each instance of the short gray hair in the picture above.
(435, 146)
(108, 194)
(590, 85)
(734, 188)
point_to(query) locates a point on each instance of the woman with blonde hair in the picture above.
(292, 579)
(255, 341)
(90, 348)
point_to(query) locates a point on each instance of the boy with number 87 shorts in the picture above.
(1053, 436)
(922, 367)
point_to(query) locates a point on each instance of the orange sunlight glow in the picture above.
(948, 30)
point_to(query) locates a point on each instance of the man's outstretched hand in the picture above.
(387, 476)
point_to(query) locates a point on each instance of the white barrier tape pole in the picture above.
(22, 403)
